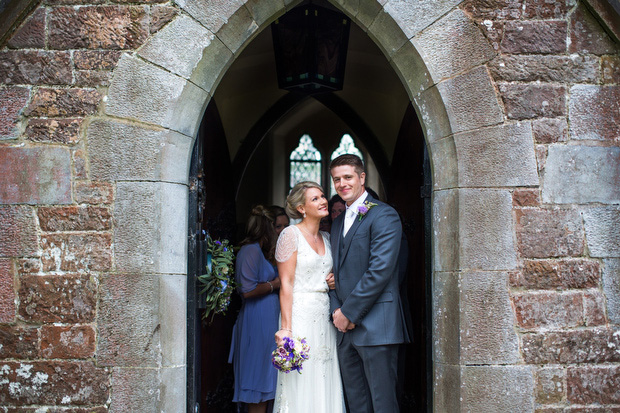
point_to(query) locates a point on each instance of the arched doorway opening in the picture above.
(252, 128)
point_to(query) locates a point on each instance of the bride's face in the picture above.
(316, 204)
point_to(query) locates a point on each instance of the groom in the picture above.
(365, 305)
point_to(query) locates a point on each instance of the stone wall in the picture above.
(98, 112)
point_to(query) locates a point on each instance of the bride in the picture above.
(304, 264)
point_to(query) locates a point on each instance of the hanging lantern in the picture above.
(310, 45)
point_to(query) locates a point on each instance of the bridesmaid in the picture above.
(252, 342)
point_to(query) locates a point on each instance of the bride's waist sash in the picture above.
(317, 291)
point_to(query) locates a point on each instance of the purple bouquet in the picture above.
(291, 354)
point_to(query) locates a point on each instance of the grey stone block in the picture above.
(411, 69)
(445, 230)
(362, 12)
(487, 320)
(446, 57)
(181, 31)
(611, 288)
(415, 16)
(593, 112)
(134, 344)
(446, 387)
(265, 12)
(444, 163)
(603, 231)
(486, 230)
(497, 156)
(136, 390)
(581, 174)
(144, 92)
(173, 389)
(216, 58)
(498, 389)
(238, 30)
(471, 101)
(150, 221)
(172, 318)
(213, 14)
(122, 151)
(433, 114)
(387, 33)
(446, 317)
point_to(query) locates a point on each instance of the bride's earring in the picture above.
(304, 214)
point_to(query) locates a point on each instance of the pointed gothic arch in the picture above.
(154, 106)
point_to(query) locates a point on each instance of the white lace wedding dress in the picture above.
(318, 388)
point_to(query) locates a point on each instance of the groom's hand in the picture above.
(341, 322)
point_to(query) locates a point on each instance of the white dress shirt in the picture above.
(351, 213)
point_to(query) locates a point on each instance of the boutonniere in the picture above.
(363, 209)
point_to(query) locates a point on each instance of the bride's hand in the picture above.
(331, 282)
(280, 334)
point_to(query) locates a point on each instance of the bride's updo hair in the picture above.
(297, 197)
(261, 229)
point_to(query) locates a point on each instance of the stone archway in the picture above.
(143, 143)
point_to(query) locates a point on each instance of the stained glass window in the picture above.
(305, 162)
(346, 146)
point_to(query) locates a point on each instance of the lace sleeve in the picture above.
(287, 244)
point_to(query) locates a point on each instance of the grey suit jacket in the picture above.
(366, 274)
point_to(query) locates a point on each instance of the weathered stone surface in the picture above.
(524, 197)
(67, 342)
(541, 157)
(496, 157)
(98, 27)
(533, 100)
(493, 9)
(389, 35)
(550, 385)
(76, 252)
(18, 342)
(413, 17)
(431, 108)
(92, 78)
(135, 389)
(50, 102)
(172, 319)
(173, 396)
(446, 230)
(543, 233)
(593, 112)
(119, 151)
(611, 288)
(183, 30)
(545, 68)
(18, 235)
(603, 231)
(240, 28)
(213, 14)
(535, 37)
(549, 309)
(65, 131)
(93, 192)
(160, 16)
(59, 383)
(610, 67)
(31, 35)
(96, 59)
(74, 218)
(582, 174)
(594, 384)
(7, 293)
(443, 153)
(497, 389)
(35, 67)
(411, 69)
(587, 35)
(80, 163)
(535, 9)
(443, 56)
(12, 102)
(460, 100)
(485, 230)
(446, 387)
(147, 218)
(135, 344)
(446, 318)
(35, 175)
(263, 12)
(58, 298)
(550, 130)
(215, 57)
(594, 308)
(597, 345)
(29, 266)
(560, 274)
(487, 332)
(141, 91)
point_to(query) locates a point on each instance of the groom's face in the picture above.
(348, 183)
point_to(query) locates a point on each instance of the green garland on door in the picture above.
(218, 282)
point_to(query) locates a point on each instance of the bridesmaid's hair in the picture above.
(348, 159)
(261, 229)
(297, 197)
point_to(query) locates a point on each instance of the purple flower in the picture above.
(218, 243)
(362, 209)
